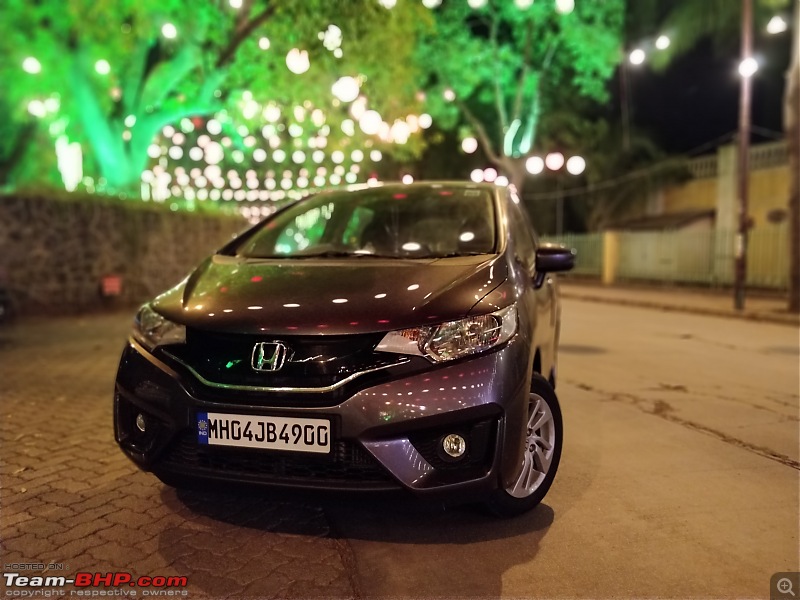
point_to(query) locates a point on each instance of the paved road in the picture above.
(679, 479)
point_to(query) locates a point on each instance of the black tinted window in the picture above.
(414, 221)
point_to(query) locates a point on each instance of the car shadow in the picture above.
(394, 517)
(404, 551)
(413, 523)
(382, 545)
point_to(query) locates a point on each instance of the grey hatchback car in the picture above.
(380, 338)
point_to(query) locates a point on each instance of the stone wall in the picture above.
(54, 252)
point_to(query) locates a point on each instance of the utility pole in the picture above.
(559, 206)
(740, 265)
(792, 125)
(624, 101)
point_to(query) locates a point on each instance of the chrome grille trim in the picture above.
(283, 389)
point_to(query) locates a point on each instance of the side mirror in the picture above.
(552, 258)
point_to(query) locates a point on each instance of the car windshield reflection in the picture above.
(422, 223)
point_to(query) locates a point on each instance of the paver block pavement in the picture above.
(68, 495)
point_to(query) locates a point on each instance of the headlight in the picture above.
(454, 339)
(151, 329)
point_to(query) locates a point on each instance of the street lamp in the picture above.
(777, 24)
(32, 65)
(635, 57)
(555, 162)
(534, 165)
(576, 165)
(469, 145)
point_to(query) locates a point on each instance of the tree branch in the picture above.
(103, 136)
(480, 131)
(242, 32)
(548, 58)
(167, 115)
(134, 80)
(168, 75)
(524, 73)
(529, 136)
(498, 92)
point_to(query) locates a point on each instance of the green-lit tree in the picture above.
(15, 143)
(497, 68)
(695, 20)
(112, 74)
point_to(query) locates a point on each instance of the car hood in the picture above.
(329, 297)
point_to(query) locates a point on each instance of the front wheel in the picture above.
(540, 457)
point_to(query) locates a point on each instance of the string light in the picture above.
(31, 65)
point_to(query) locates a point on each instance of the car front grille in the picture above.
(322, 370)
(313, 362)
(348, 464)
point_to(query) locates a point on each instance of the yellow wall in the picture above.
(695, 194)
(769, 189)
(766, 256)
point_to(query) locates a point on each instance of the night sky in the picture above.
(696, 100)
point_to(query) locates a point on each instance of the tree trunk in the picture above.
(792, 125)
(121, 162)
(516, 173)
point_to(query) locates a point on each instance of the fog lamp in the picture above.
(454, 445)
(141, 425)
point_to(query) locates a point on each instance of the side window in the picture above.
(521, 232)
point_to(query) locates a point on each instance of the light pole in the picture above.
(635, 57)
(625, 109)
(556, 162)
(746, 69)
(559, 207)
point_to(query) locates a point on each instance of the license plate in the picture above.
(270, 433)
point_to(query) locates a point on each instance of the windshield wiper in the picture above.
(456, 254)
(334, 254)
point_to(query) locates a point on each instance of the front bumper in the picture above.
(386, 436)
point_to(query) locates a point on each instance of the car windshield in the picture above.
(388, 222)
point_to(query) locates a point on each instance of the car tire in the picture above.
(545, 429)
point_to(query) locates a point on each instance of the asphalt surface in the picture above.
(680, 479)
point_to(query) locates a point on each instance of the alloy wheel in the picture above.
(540, 446)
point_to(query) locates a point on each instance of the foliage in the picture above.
(617, 183)
(509, 67)
(26, 152)
(622, 180)
(687, 22)
(154, 80)
(45, 192)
